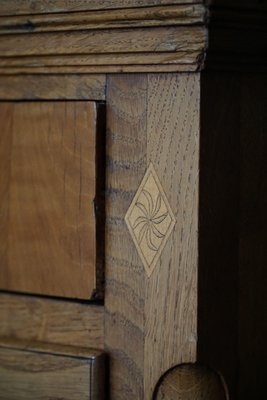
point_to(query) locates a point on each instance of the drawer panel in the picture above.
(48, 192)
(40, 371)
(49, 320)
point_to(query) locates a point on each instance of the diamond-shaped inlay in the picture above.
(150, 219)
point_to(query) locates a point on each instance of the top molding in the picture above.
(109, 36)
(31, 7)
(100, 36)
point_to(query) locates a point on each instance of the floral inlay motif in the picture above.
(150, 219)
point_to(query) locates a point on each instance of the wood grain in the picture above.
(38, 371)
(105, 19)
(173, 147)
(14, 7)
(105, 41)
(50, 225)
(185, 66)
(53, 87)
(191, 382)
(234, 33)
(163, 58)
(94, 61)
(124, 272)
(102, 37)
(51, 321)
(104, 50)
(150, 323)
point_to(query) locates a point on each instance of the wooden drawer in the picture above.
(40, 371)
(48, 195)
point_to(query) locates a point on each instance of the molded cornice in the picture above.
(101, 36)
(109, 36)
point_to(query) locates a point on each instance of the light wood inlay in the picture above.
(150, 219)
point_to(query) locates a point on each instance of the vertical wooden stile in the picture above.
(150, 322)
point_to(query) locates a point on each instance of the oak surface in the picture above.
(105, 41)
(48, 189)
(186, 14)
(53, 87)
(11, 7)
(102, 37)
(150, 322)
(197, 35)
(40, 371)
(51, 321)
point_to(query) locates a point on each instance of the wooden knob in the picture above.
(191, 382)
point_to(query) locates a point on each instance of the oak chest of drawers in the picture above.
(131, 251)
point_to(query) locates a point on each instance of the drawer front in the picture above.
(48, 193)
(40, 371)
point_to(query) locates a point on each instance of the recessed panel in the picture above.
(47, 194)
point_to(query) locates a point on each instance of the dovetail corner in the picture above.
(150, 219)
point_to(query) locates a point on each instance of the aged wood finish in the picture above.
(186, 66)
(48, 195)
(14, 7)
(91, 86)
(48, 63)
(130, 35)
(191, 382)
(105, 41)
(51, 321)
(194, 292)
(103, 37)
(53, 87)
(105, 19)
(150, 322)
(39, 371)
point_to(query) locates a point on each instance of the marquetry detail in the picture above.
(150, 219)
